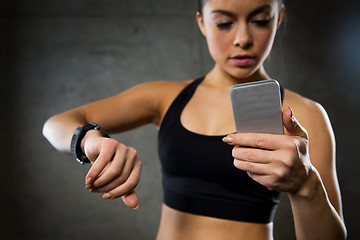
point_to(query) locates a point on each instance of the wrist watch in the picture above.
(78, 136)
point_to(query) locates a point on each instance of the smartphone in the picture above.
(257, 107)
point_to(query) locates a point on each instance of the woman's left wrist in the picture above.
(310, 188)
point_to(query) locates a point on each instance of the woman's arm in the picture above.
(116, 167)
(317, 206)
(132, 108)
(300, 163)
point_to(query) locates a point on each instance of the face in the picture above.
(240, 33)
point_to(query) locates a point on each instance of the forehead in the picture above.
(239, 6)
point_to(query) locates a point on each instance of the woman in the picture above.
(216, 189)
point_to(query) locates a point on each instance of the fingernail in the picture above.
(292, 114)
(87, 187)
(137, 206)
(107, 196)
(236, 163)
(228, 139)
(88, 181)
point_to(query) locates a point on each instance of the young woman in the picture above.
(216, 186)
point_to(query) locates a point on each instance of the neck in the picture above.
(219, 78)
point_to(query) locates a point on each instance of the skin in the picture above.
(300, 163)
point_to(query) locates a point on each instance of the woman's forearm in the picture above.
(314, 215)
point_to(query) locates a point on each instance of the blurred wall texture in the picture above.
(56, 55)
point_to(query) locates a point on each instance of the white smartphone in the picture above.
(257, 107)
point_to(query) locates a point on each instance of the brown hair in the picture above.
(201, 4)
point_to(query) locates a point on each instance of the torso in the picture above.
(208, 104)
(209, 112)
(176, 225)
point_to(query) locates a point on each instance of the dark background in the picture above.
(56, 55)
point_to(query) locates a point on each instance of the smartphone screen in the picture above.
(257, 107)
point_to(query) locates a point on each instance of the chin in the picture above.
(244, 73)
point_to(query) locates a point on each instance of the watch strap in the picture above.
(78, 136)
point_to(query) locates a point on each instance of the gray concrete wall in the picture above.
(56, 55)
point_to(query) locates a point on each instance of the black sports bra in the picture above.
(199, 176)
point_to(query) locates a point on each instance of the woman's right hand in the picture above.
(115, 170)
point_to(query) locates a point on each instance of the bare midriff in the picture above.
(177, 225)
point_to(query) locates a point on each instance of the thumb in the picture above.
(292, 125)
(131, 200)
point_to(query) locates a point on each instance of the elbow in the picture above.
(56, 134)
(46, 128)
(344, 232)
(341, 233)
(49, 130)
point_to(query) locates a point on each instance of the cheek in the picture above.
(265, 45)
(218, 46)
(265, 42)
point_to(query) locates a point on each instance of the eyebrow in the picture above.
(253, 13)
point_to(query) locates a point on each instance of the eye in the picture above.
(224, 25)
(262, 22)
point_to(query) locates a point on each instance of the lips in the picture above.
(242, 60)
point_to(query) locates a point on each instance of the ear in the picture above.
(281, 15)
(200, 22)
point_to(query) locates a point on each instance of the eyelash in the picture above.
(224, 25)
(259, 23)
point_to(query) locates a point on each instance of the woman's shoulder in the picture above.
(303, 104)
(156, 91)
(163, 86)
(311, 114)
(162, 89)
(160, 94)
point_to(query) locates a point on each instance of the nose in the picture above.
(243, 36)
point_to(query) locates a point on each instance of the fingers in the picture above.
(131, 200)
(107, 150)
(275, 161)
(115, 172)
(250, 167)
(269, 141)
(128, 186)
(292, 125)
(105, 184)
(256, 140)
(278, 169)
(273, 174)
(252, 155)
(261, 162)
(118, 169)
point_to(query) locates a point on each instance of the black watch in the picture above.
(79, 134)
